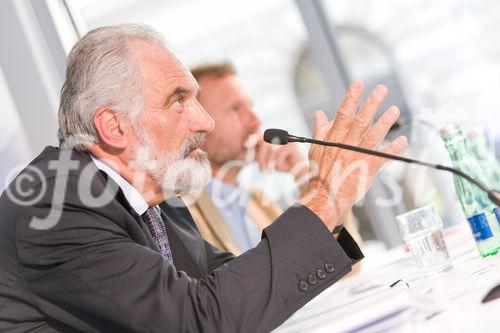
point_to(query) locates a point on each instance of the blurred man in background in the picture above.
(229, 215)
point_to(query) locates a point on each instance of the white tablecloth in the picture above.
(446, 302)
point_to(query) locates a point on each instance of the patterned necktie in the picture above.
(153, 220)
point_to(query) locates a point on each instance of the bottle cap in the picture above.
(450, 130)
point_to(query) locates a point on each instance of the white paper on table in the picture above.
(377, 310)
(384, 312)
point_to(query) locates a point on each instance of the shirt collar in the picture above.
(134, 197)
(227, 194)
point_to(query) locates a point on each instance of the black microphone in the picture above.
(281, 137)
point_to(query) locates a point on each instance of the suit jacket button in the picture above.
(312, 279)
(303, 286)
(320, 273)
(329, 268)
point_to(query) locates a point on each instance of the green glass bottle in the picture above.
(487, 160)
(479, 149)
(478, 209)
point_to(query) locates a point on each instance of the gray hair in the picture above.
(101, 72)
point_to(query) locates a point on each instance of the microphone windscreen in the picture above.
(276, 136)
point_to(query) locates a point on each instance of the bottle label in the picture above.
(480, 227)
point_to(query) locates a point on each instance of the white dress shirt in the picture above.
(134, 197)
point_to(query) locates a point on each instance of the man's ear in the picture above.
(110, 129)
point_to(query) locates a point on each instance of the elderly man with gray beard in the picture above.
(93, 237)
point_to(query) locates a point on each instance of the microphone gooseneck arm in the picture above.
(277, 136)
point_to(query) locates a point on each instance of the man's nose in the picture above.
(251, 119)
(200, 120)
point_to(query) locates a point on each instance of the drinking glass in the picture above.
(421, 230)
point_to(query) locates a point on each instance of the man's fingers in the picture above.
(271, 157)
(376, 134)
(266, 154)
(261, 154)
(321, 125)
(345, 113)
(363, 119)
(396, 147)
(282, 155)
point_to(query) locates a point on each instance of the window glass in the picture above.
(14, 147)
(445, 55)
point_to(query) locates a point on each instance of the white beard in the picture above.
(175, 172)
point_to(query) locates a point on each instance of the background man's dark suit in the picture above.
(98, 269)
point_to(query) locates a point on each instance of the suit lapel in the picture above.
(134, 225)
(188, 248)
(184, 243)
(183, 258)
(213, 220)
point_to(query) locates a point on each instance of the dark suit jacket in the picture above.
(98, 270)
